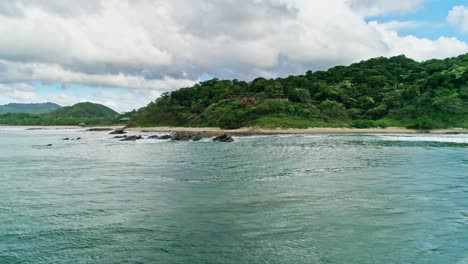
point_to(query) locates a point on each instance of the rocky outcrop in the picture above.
(187, 136)
(124, 136)
(153, 137)
(164, 137)
(98, 129)
(119, 131)
(223, 138)
(66, 139)
(132, 138)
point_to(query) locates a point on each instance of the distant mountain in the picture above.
(28, 108)
(88, 113)
(83, 110)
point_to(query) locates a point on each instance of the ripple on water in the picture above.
(265, 199)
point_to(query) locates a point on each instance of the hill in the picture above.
(379, 92)
(28, 108)
(89, 113)
(84, 110)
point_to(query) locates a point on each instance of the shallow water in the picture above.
(261, 199)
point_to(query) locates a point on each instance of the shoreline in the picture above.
(258, 131)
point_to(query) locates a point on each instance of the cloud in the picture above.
(18, 92)
(384, 7)
(458, 17)
(160, 45)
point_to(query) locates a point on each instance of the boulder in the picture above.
(98, 129)
(124, 136)
(132, 138)
(153, 137)
(164, 137)
(197, 137)
(78, 138)
(66, 139)
(223, 138)
(181, 136)
(118, 131)
(187, 136)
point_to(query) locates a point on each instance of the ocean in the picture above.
(261, 199)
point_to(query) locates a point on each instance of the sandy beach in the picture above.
(257, 131)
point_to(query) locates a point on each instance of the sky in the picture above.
(126, 53)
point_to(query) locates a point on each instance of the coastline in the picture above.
(258, 131)
(318, 130)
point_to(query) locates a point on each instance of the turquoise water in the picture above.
(264, 199)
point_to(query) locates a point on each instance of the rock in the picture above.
(98, 129)
(186, 136)
(124, 136)
(197, 137)
(223, 138)
(66, 139)
(119, 131)
(153, 137)
(181, 136)
(78, 138)
(49, 145)
(132, 138)
(453, 133)
(164, 137)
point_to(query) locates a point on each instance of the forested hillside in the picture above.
(89, 113)
(382, 92)
(28, 108)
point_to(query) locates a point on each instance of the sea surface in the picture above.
(262, 199)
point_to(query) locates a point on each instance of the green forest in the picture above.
(87, 113)
(379, 92)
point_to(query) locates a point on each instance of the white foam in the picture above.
(428, 138)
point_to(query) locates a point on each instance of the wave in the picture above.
(463, 139)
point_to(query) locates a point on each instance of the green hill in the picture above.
(89, 113)
(382, 92)
(84, 110)
(28, 108)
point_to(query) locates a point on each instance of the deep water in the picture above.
(262, 199)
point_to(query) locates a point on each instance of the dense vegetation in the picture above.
(29, 108)
(379, 92)
(88, 113)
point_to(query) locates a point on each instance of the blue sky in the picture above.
(127, 53)
(432, 19)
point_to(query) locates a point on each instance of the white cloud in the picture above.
(384, 7)
(162, 45)
(458, 17)
(18, 92)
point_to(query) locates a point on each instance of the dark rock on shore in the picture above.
(66, 139)
(132, 138)
(181, 136)
(164, 137)
(119, 131)
(98, 129)
(124, 136)
(223, 138)
(453, 133)
(187, 136)
(49, 145)
(197, 137)
(153, 137)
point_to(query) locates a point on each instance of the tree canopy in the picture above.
(381, 92)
